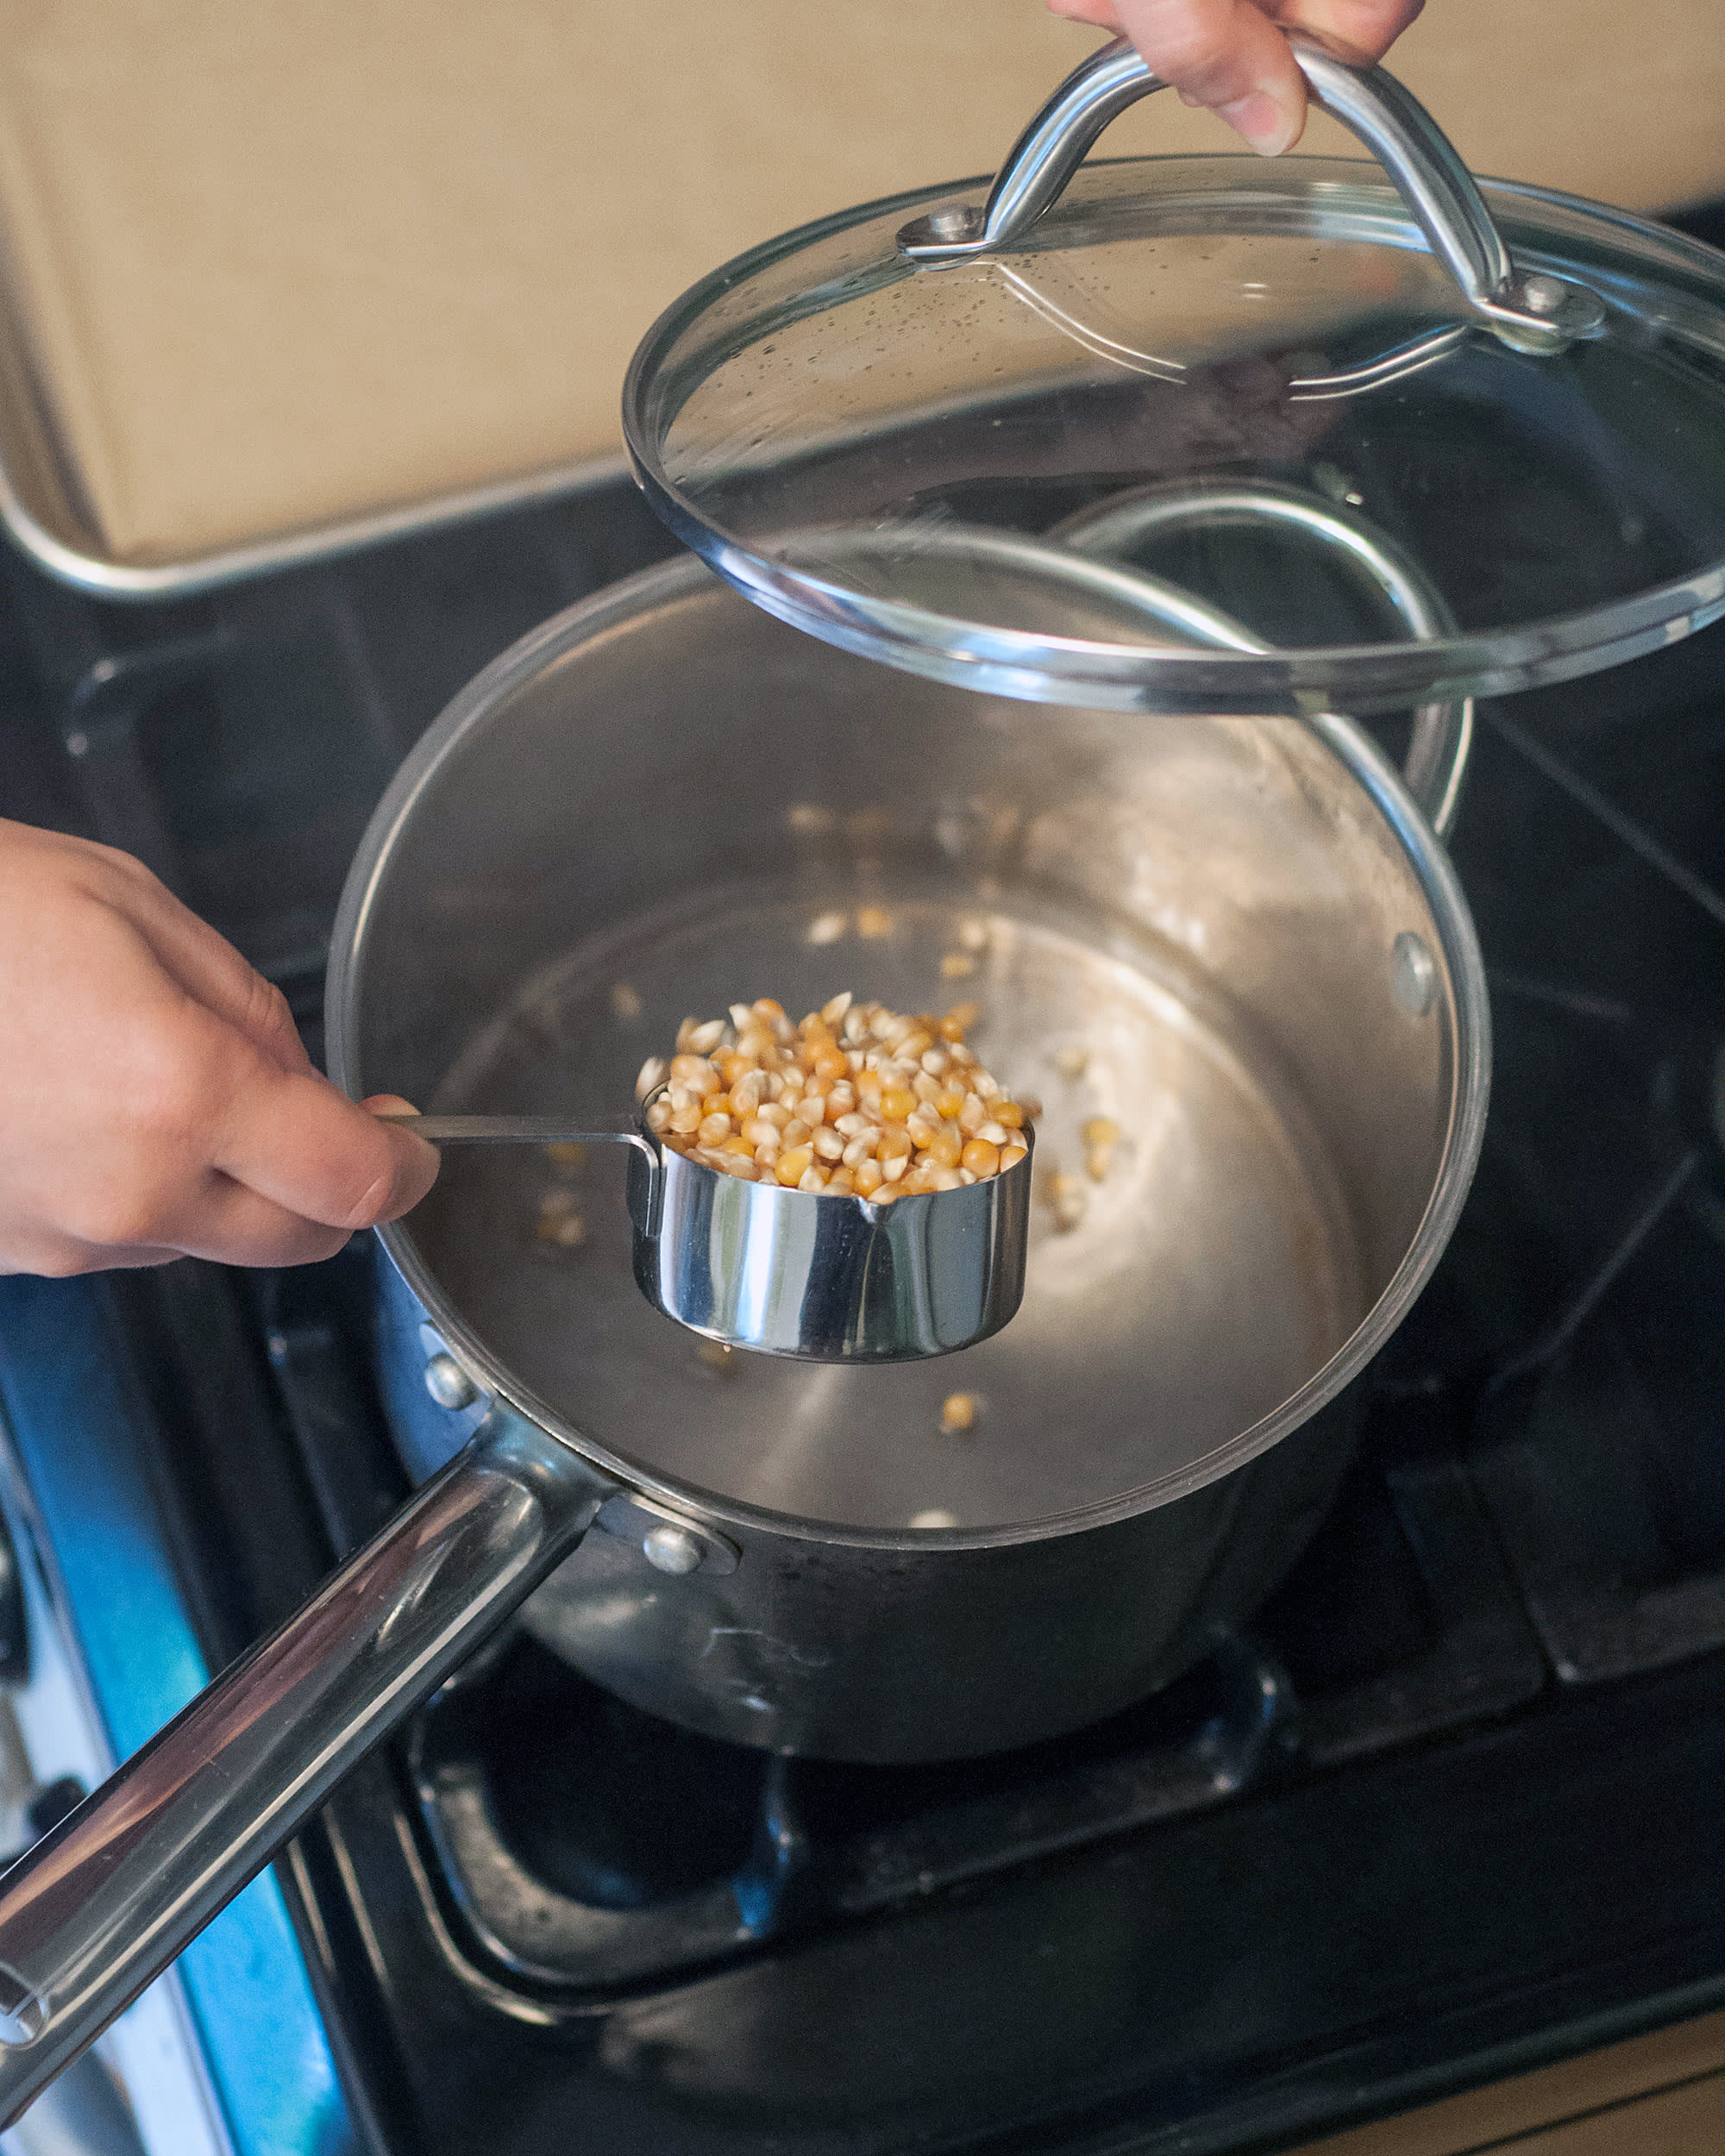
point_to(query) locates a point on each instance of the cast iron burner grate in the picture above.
(587, 1845)
(1596, 1438)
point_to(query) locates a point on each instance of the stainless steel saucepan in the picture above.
(1212, 937)
(1237, 941)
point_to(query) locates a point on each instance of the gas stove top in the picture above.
(1448, 1808)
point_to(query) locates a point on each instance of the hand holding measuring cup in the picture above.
(155, 1098)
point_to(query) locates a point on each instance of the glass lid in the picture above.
(1215, 433)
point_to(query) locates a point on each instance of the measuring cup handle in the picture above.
(524, 1130)
(1538, 313)
(646, 1170)
(103, 1904)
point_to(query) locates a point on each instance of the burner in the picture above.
(586, 1843)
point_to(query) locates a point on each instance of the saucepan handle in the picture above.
(1534, 313)
(105, 1902)
(1443, 733)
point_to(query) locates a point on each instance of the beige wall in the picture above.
(283, 261)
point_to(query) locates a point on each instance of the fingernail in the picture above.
(1267, 125)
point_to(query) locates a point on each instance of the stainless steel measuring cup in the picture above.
(826, 1277)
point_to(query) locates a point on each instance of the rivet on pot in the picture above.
(672, 1549)
(1413, 974)
(449, 1384)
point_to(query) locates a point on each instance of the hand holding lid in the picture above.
(1536, 313)
(1232, 58)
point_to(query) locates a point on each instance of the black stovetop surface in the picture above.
(1450, 1806)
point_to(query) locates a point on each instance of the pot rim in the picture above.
(1470, 1023)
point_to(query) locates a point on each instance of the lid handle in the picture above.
(1532, 312)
